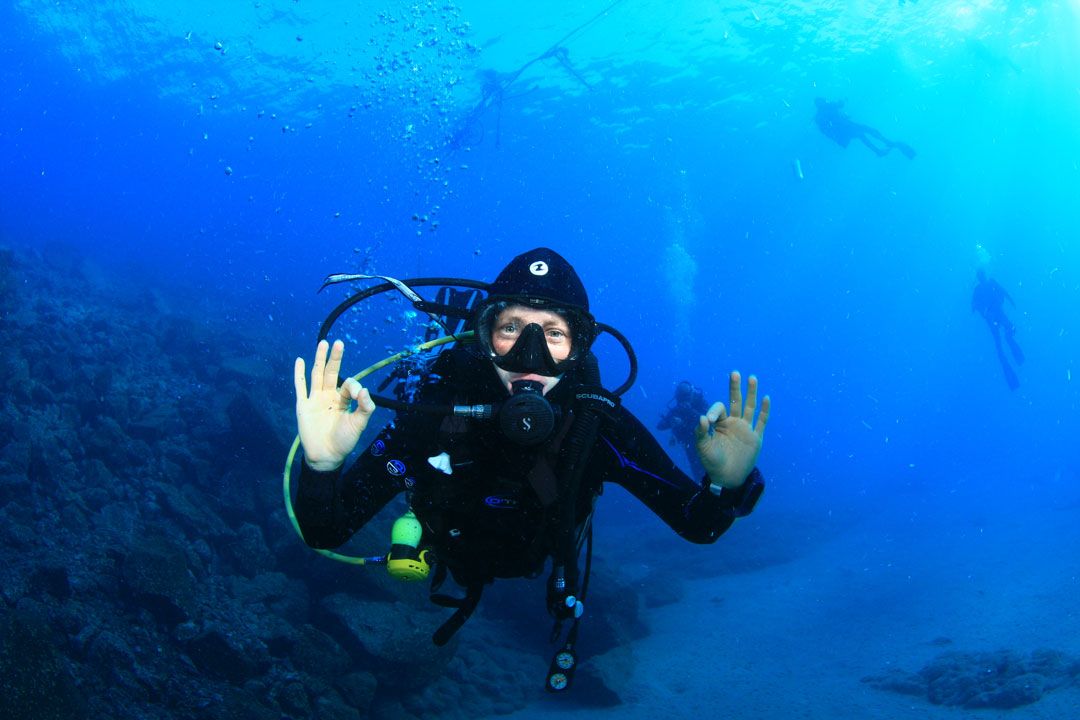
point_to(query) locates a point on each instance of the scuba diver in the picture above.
(504, 451)
(495, 86)
(988, 300)
(494, 92)
(681, 418)
(836, 125)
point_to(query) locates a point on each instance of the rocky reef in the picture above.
(1002, 679)
(147, 567)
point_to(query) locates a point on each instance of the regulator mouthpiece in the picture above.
(527, 418)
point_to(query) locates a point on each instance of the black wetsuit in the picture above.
(493, 515)
(988, 299)
(836, 125)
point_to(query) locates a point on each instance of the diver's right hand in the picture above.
(328, 429)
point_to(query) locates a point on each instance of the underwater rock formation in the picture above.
(1004, 679)
(147, 568)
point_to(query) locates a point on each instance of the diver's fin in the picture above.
(1017, 353)
(1010, 376)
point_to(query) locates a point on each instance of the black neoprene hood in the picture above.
(544, 280)
(541, 277)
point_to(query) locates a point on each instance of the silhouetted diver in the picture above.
(835, 124)
(493, 91)
(988, 300)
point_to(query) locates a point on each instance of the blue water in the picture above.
(242, 153)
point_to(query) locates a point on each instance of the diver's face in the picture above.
(507, 328)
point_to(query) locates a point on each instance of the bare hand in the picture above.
(329, 430)
(728, 444)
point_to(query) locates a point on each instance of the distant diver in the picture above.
(681, 418)
(563, 56)
(495, 86)
(493, 94)
(988, 300)
(836, 125)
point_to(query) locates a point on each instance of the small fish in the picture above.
(797, 166)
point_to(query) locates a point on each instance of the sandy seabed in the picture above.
(795, 640)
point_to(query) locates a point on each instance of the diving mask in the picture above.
(530, 352)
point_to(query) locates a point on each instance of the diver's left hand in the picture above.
(728, 444)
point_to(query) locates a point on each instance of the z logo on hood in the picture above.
(395, 468)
